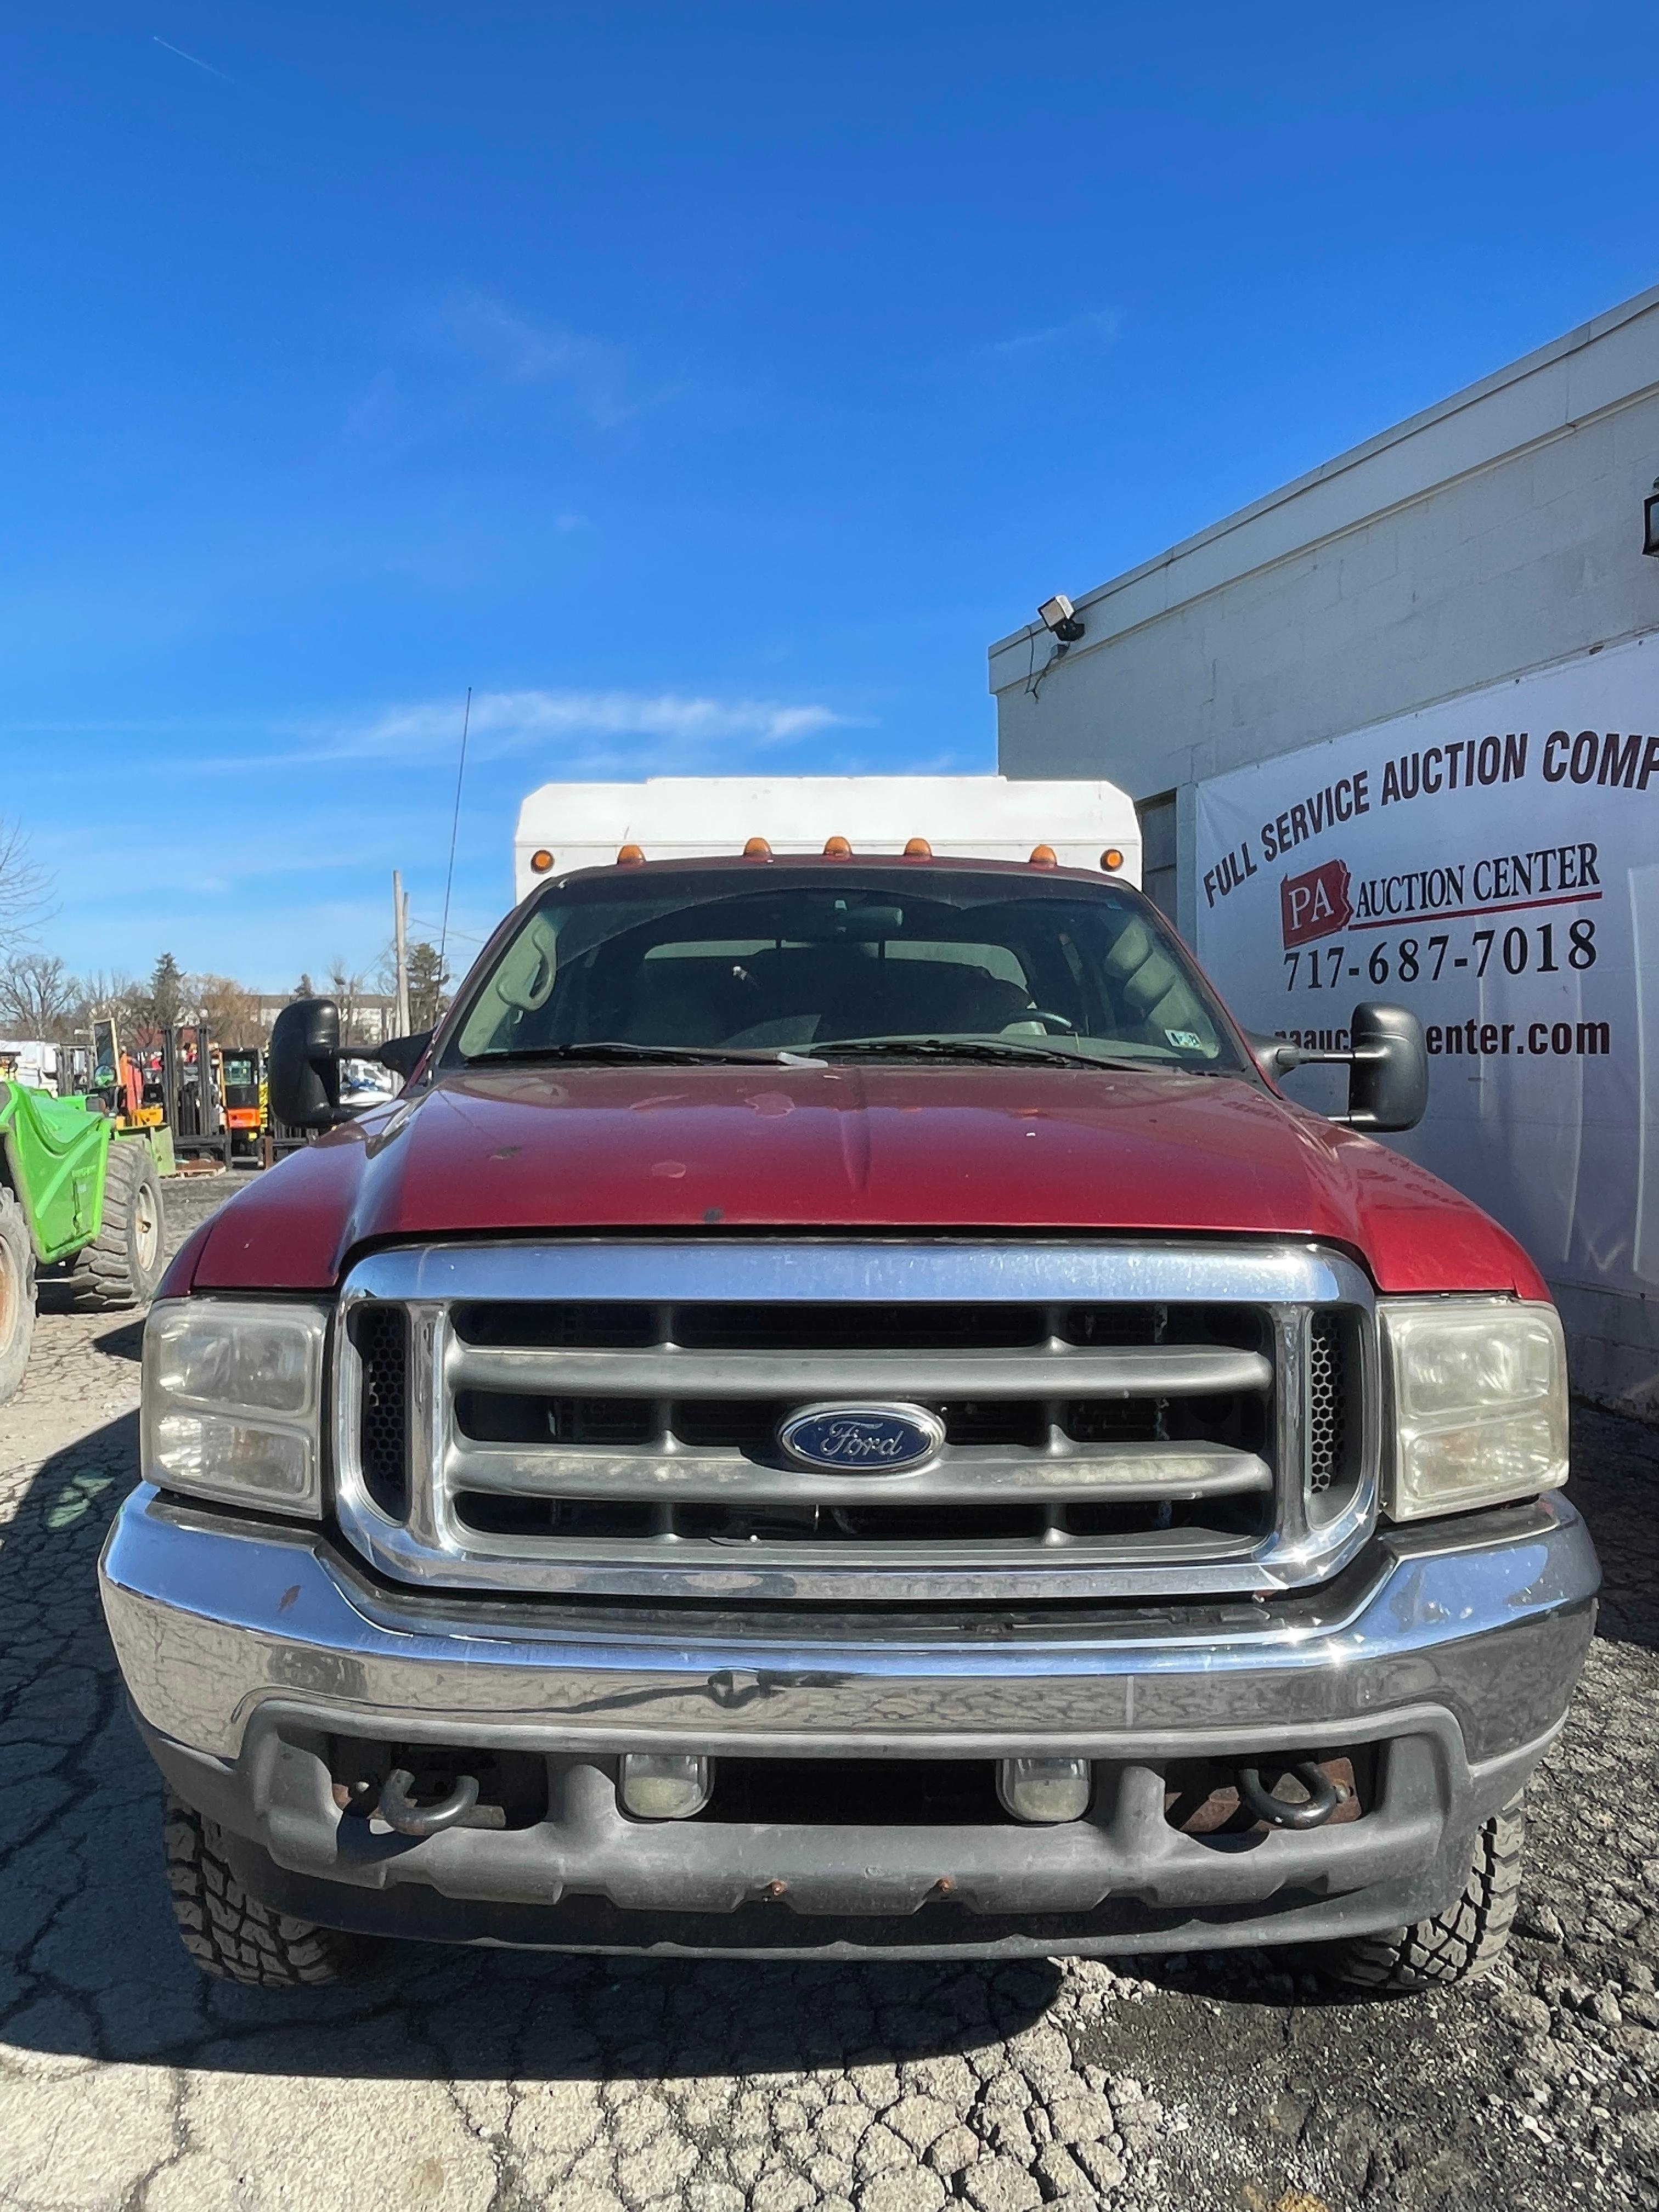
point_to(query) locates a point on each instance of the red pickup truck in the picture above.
(842, 1410)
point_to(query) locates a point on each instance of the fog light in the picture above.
(664, 1786)
(1044, 1790)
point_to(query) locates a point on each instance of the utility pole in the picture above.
(400, 940)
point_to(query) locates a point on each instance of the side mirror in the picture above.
(403, 1055)
(1388, 1070)
(1387, 1065)
(304, 1068)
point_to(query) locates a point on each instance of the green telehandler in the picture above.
(75, 1192)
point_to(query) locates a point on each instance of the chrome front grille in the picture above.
(604, 1418)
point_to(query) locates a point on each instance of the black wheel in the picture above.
(122, 1265)
(1457, 1945)
(234, 1937)
(17, 1295)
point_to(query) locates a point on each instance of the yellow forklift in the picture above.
(122, 1088)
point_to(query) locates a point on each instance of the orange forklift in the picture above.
(241, 1074)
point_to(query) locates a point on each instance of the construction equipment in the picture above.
(79, 1192)
(241, 1074)
(193, 1090)
(121, 1088)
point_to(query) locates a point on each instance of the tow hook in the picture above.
(1322, 1798)
(399, 1810)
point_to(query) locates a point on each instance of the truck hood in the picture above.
(710, 1151)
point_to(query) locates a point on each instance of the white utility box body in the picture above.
(702, 818)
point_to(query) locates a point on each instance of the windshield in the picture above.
(839, 961)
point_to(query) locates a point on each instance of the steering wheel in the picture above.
(1056, 1024)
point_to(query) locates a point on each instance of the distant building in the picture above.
(366, 1017)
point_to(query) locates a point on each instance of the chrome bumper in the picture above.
(1487, 1617)
(1457, 1649)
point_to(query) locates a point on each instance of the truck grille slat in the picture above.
(627, 1444)
(864, 1529)
(596, 1325)
(1166, 1370)
(1156, 1470)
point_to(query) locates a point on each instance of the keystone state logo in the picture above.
(1314, 905)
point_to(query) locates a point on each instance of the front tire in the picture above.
(233, 1936)
(17, 1295)
(123, 1264)
(1458, 1945)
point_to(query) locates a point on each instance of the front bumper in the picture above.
(247, 1647)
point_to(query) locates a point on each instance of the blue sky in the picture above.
(705, 385)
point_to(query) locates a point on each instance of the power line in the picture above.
(463, 936)
(454, 825)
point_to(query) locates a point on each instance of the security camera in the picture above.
(1058, 615)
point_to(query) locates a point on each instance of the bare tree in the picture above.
(105, 992)
(348, 988)
(25, 889)
(38, 997)
(230, 1010)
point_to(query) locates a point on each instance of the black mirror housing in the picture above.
(304, 1067)
(1388, 1071)
(403, 1055)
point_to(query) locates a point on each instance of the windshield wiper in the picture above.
(988, 1048)
(1002, 1051)
(617, 1049)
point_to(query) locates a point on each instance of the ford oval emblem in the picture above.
(862, 1439)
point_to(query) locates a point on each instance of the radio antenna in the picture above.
(454, 824)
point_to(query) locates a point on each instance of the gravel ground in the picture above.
(474, 2080)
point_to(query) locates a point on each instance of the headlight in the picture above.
(1479, 1403)
(232, 1398)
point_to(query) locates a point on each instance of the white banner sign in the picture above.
(1492, 863)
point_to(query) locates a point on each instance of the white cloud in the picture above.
(612, 733)
(1102, 325)
(520, 351)
(516, 721)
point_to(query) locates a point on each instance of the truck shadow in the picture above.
(90, 1967)
(1615, 1481)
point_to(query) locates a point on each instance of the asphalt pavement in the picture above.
(473, 2080)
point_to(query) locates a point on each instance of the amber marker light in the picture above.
(918, 850)
(837, 848)
(757, 849)
(1111, 858)
(1043, 856)
(542, 861)
(629, 856)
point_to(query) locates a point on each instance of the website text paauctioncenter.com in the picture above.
(1483, 1040)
